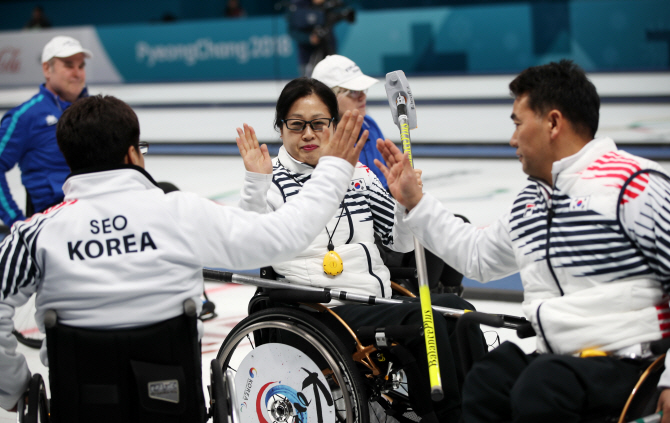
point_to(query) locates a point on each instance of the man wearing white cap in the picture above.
(350, 86)
(28, 132)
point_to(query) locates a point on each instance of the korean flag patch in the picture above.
(579, 204)
(357, 185)
(529, 210)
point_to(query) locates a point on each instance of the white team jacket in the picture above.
(369, 209)
(120, 253)
(606, 293)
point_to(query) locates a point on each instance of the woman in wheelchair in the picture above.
(344, 256)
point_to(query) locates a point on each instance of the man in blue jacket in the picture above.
(28, 132)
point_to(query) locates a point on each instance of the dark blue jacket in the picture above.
(28, 137)
(370, 152)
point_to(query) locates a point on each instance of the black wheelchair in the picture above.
(145, 374)
(295, 360)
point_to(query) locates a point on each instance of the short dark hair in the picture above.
(97, 131)
(303, 87)
(562, 86)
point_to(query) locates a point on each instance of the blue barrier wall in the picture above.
(626, 35)
(602, 35)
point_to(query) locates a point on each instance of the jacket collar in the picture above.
(580, 160)
(62, 104)
(291, 164)
(107, 179)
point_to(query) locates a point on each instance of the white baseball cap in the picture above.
(63, 46)
(338, 71)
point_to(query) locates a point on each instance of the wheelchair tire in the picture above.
(220, 411)
(37, 410)
(350, 402)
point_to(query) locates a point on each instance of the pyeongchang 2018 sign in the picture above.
(205, 49)
(258, 48)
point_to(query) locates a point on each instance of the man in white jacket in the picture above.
(119, 253)
(590, 236)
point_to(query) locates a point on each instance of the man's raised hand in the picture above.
(402, 180)
(345, 143)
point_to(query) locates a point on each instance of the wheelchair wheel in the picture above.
(37, 409)
(219, 394)
(290, 367)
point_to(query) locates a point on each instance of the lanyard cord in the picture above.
(330, 246)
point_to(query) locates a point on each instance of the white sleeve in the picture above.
(14, 371)
(236, 239)
(403, 238)
(253, 196)
(482, 254)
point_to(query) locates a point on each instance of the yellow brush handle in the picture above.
(436, 392)
(406, 143)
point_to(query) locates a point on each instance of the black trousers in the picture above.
(508, 385)
(448, 409)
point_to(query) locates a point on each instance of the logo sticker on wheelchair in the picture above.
(164, 390)
(280, 384)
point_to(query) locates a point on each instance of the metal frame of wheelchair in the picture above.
(357, 381)
(371, 374)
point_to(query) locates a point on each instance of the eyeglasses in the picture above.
(144, 147)
(355, 94)
(299, 125)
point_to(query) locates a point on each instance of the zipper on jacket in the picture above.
(550, 218)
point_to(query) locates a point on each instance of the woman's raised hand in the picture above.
(256, 158)
(344, 143)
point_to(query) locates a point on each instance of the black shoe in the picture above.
(207, 312)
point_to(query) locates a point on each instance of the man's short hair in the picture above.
(97, 132)
(562, 86)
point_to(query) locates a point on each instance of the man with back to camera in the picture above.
(28, 132)
(595, 266)
(120, 253)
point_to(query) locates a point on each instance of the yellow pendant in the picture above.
(332, 263)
